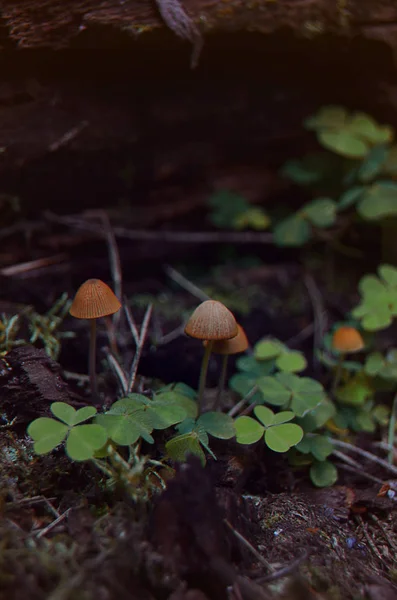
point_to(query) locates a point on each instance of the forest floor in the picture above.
(246, 527)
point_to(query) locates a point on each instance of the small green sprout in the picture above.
(82, 441)
(278, 433)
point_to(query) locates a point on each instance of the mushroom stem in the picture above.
(203, 375)
(338, 373)
(222, 381)
(92, 361)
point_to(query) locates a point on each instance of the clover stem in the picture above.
(338, 373)
(92, 361)
(222, 381)
(392, 431)
(203, 375)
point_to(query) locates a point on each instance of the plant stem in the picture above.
(222, 381)
(203, 375)
(392, 431)
(92, 361)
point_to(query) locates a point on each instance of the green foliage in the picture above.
(44, 329)
(279, 434)
(323, 474)
(361, 180)
(81, 440)
(193, 435)
(378, 304)
(136, 416)
(232, 211)
(298, 228)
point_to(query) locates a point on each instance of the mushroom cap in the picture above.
(211, 321)
(347, 339)
(94, 299)
(235, 345)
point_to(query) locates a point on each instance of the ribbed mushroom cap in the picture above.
(211, 321)
(347, 339)
(94, 299)
(235, 345)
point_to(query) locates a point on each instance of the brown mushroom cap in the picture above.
(211, 321)
(94, 299)
(235, 345)
(347, 339)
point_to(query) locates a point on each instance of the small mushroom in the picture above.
(211, 321)
(226, 348)
(93, 300)
(345, 340)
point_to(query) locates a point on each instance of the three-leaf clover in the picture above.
(278, 433)
(378, 305)
(81, 440)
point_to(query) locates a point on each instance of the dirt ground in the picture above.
(246, 527)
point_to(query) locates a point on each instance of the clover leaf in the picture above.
(378, 305)
(378, 201)
(82, 441)
(321, 212)
(292, 231)
(279, 435)
(323, 473)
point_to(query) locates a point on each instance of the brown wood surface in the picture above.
(56, 23)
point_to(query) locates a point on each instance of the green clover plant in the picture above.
(278, 433)
(356, 172)
(82, 440)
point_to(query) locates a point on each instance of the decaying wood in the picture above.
(55, 23)
(30, 381)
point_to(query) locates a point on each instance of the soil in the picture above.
(65, 534)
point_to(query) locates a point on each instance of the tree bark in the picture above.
(57, 24)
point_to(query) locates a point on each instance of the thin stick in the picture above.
(392, 431)
(163, 235)
(92, 361)
(318, 314)
(365, 454)
(131, 322)
(203, 375)
(233, 411)
(185, 283)
(114, 259)
(47, 529)
(284, 571)
(250, 547)
(360, 473)
(121, 376)
(32, 265)
(142, 338)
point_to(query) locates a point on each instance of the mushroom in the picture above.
(227, 347)
(345, 340)
(211, 321)
(94, 299)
